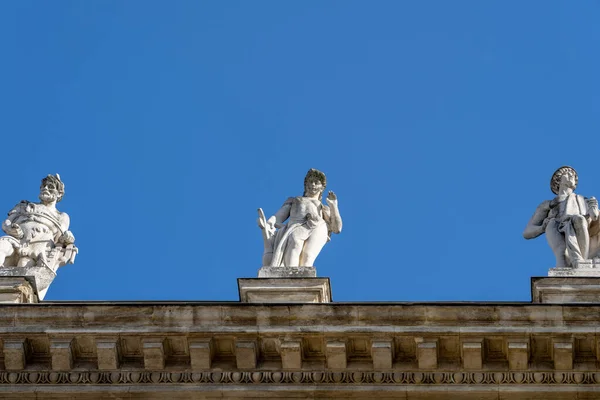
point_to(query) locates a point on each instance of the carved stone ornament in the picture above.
(571, 224)
(38, 240)
(295, 235)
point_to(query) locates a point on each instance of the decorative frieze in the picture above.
(279, 377)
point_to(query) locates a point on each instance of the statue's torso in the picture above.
(302, 206)
(570, 205)
(37, 221)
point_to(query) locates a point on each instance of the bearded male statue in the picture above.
(38, 239)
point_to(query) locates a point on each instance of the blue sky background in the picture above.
(437, 123)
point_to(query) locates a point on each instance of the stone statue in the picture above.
(570, 222)
(310, 223)
(38, 239)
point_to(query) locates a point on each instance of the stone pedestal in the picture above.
(585, 268)
(17, 289)
(565, 289)
(39, 277)
(284, 290)
(287, 272)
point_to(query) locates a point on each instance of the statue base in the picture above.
(565, 289)
(284, 290)
(40, 277)
(17, 289)
(287, 272)
(583, 268)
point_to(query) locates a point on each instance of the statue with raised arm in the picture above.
(38, 239)
(310, 223)
(570, 222)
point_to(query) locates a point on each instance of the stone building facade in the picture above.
(546, 349)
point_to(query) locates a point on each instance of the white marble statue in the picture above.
(38, 234)
(310, 223)
(570, 222)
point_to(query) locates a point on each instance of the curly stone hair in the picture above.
(555, 180)
(320, 176)
(60, 186)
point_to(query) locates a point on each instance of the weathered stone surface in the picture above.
(154, 352)
(201, 353)
(563, 290)
(284, 290)
(518, 354)
(246, 354)
(287, 272)
(302, 349)
(472, 353)
(427, 352)
(62, 354)
(291, 354)
(336, 354)
(15, 354)
(562, 354)
(17, 289)
(382, 352)
(107, 349)
(584, 268)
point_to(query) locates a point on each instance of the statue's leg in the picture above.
(556, 240)
(313, 246)
(6, 250)
(581, 232)
(293, 249)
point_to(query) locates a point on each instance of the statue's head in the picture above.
(564, 176)
(52, 189)
(314, 181)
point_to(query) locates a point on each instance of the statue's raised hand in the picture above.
(331, 199)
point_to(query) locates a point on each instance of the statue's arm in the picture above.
(331, 213)
(9, 226)
(66, 237)
(284, 213)
(592, 208)
(537, 224)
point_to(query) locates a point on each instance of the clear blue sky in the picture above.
(438, 124)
